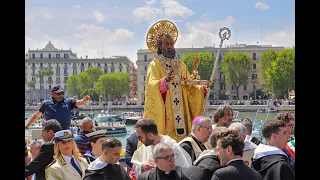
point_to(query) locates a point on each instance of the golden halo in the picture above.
(157, 30)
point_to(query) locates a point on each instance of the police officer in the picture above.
(58, 107)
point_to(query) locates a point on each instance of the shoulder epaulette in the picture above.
(62, 161)
(50, 163)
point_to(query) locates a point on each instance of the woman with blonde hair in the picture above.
(68, 162)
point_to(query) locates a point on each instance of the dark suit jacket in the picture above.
(152, 174)
(203, 169)
(131, 147)
(38, 165)
(236, 170)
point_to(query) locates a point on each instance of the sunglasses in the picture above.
(60, 93)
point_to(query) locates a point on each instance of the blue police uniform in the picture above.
(82, 141)
(60, 111)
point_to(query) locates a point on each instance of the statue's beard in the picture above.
(169, 53)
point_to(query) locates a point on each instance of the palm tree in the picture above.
(31, 85)
(44, 73)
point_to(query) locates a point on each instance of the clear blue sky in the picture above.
(119, 27)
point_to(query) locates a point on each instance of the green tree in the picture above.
(73, 85)
(236, 67)
(205, 66)
(264, 64)
(113, 85)
(31, 85)
(281, 74)
(94, 74)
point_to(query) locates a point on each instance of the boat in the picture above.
(132, 117)
(114, 124)
(268, 110)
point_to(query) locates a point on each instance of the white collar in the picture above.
(67, 158)
(235, 159)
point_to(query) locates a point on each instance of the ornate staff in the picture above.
(226, 35)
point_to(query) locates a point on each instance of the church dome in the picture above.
(50, 46)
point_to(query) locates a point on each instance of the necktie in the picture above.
(76, 167)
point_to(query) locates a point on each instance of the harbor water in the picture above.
(252, 115)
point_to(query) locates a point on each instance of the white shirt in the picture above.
(68, 160)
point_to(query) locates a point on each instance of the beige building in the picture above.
(63, 63)
(254, 51)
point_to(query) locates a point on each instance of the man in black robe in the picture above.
(194, 144)
(166, 169)
(106, 166)
(207, 163)
(229, 150)
(131, 147)
(269, 160)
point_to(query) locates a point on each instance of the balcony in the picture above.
(65, 74)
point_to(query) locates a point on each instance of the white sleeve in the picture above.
(183, 159)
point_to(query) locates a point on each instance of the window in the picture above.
(41, 56)
(57, 56)
(49, 56)
(65, 71)
(112, 69)
(254, 56)
(98, 64)
(82, 69)
(50, 80)
(106, 70)
(41, 65)
(82, 64)
(245, 97)
(33, 65)
(144, 78)
(49, 86)
(120, 69)
(89, 64)
(65, 79)
(41, 86)
(33, 56)
(145, 67)
(178, 56)
(74, 64)
(244, 88)
(253, 86)
(65, 64)
(33, 71)
(66, 56)
(74, 71)
(57, 78)
(145, 57)
(33, 79)
(58, 71)
(254, 76)
(254, 66)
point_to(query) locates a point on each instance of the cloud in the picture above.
(203, 33)
(261, 5)
(151, 2)
(76, 7)
(285, 37)
(173, 8)
(168, 8)
(46, 16)
(147, 13)
(98, 16)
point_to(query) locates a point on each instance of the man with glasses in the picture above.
(165, 160)
(147, 133)
(289, 121)
(58, 107)
(195, 143)
(229, 149)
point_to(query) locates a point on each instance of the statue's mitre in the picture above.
(157, 30)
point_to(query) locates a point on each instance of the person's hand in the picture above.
(169, 76)
(87, 98)
(146, 166)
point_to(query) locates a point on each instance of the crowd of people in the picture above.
(223, 150)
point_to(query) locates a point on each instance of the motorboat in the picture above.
(132, 117)
(114, 124)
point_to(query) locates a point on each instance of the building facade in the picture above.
(64, 63)
(145, 56)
